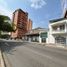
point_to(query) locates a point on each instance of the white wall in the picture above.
(40, 39)
(50, 38)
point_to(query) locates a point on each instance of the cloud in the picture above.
(4, 10)
(37, 3)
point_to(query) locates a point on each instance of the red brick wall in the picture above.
(29, 25)
(20, 20)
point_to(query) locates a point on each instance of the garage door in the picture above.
(60, 40)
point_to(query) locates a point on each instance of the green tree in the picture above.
(4, 24)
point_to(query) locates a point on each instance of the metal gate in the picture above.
(60, 40)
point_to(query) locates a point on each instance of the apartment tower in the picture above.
(29, 25)
(20, 23)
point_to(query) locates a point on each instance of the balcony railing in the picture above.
(58, 31)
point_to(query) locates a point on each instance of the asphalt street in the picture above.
(25, 54)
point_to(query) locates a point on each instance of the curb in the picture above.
(48, 45)
(57, 46)
(2, 63)
(7, 62)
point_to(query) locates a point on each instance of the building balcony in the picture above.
(59, 32)
(59, 29)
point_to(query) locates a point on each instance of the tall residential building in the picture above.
(29, 25)
(20, 21)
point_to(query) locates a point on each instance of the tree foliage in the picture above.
(4, 24)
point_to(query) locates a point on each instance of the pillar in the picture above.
(66, 40)
(65, 27)
(40, 41)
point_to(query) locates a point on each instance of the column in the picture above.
(39, 38)
(65, 27)
(66, 40)
(29, 39)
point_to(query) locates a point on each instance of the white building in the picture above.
(58, 31)
(37, 35)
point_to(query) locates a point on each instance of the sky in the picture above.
(40, 11)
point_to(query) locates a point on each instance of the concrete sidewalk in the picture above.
(5, 40)
(1, 60)
(57, 46)
(51, 45)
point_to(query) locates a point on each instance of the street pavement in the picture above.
(25, 54)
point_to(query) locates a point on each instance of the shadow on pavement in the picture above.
(9, 47)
